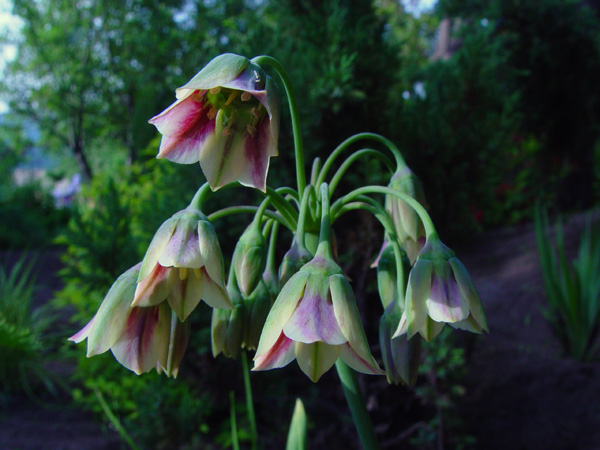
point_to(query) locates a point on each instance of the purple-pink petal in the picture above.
(314, 321)
(83, 333)
(446, 303)
(256, 154)
(137, 349)
(185, 125)
(279, 355)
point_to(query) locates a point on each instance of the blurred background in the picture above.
(496, 106)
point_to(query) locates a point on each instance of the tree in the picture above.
(92, 71)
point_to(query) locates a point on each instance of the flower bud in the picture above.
(227, 326)
(292, 262)
(249, 259)
(409, 228)
(258, 306)
(401, 356)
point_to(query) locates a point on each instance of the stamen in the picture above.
(212, 113)
(183, 273)
(215, 90)
(251, 130)
(246, 96)
(198, 95)
(256, 112)
(232, 97)
(226, 131)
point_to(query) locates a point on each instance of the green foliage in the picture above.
(458, 130)
(157, 412)
(443, 368)
(29, 219)
(554, 48)
(297, 439)
(22, 344)
(572, 289)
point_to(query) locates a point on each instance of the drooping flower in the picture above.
(141, 339)
(409, 228)
(440, 291)
(226, 117)
(315, 320)
(183, 264)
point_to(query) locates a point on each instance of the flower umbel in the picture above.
(315, 321)
(440, 290)
(183, 265)
(226, 117)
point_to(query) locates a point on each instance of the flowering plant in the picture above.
(226, 118)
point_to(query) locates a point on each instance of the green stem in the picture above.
(114, 420)
(249, 402)
(371, 205)
(325, 233)
(302, 216)
(283, 206)
(430, 231)
(298, 146)
(357, 406)
(200, 196)
(270, 265)
(252, 210)
(359, 137)
(351, 159)
(234, 434)
(257, 221)
(314, 173)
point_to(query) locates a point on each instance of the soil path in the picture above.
(521, 392)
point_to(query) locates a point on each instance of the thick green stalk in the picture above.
(357, 406)
(298, 146)
(249, 401)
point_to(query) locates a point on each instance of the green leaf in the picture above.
(297, 436)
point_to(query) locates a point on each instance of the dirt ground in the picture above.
(520, 392)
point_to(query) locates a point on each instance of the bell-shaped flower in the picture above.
(440, 291)
(315, 320)
(141, 339)
(409, 228)
(183, 265)
(226, 117)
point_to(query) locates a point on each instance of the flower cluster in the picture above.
(227, 119)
